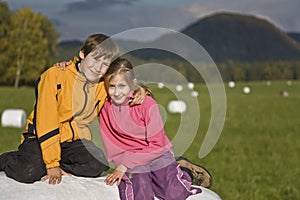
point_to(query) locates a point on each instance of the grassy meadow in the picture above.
(257, 154)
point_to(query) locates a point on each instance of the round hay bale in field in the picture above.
(160, 85)
(284, 93)
(231, 84)
(191, 85)
(246, 90)
(75, 188)
(13, 118)
(177, 106)
(179, 88)
(194, 93)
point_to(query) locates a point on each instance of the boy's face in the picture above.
(93, 68)
(118, 89)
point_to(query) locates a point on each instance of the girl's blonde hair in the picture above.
(122, 66)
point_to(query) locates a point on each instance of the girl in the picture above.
(135, 140)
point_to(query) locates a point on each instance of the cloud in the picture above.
(95, 4)
(78, 18)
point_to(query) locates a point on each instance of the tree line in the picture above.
(230, 71)
(28, 44)
(260, 71)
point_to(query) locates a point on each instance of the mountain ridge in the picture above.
(227, 37)
(230, 36)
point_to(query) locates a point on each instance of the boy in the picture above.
(57, 140)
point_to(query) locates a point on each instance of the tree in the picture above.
(5, 25)
(239, 74)
(32, 43)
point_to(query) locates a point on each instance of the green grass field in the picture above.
(257, 154)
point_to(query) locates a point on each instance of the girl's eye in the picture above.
(121, 86)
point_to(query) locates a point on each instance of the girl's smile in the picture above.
(118, 89)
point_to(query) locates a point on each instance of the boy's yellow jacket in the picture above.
(65, 105)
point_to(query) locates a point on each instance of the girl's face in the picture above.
(94, 69)
(118, 89)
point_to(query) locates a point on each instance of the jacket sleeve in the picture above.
(46, 118)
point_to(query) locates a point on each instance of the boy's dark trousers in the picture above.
(79, 158)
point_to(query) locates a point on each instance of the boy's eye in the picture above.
(104, 65)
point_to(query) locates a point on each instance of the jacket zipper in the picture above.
(73, 134)
(93, 109)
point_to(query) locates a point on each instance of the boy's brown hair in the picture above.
(100, 45)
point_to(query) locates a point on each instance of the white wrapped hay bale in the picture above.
(86, 188)
(179, 88)
(284, 93)
(231, 84)
(191, 85)
(160, 85)
(177, 106)
(13, 118)
(246, 90)
(194, 93)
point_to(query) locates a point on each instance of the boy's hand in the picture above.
(117, 175)
(62, 65)
(138, 96)
(54, 175)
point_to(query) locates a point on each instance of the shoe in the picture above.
(200, 176)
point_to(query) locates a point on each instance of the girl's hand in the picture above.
(117, 175)
(62, 65)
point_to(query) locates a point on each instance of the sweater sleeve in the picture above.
(46, 118)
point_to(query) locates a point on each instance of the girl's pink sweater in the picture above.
(133, 135)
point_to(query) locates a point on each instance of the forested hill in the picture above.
(226, 37)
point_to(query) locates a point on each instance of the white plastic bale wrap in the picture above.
(13, 118)
(191, 85)
(75, 188)
(177, 106)
(194, 93)
(231, 84)
(179, 88)
(246, 90)
(160, 85)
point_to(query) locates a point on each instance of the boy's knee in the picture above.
(26, 173)
(96, 168)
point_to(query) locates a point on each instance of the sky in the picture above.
(76, 19)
